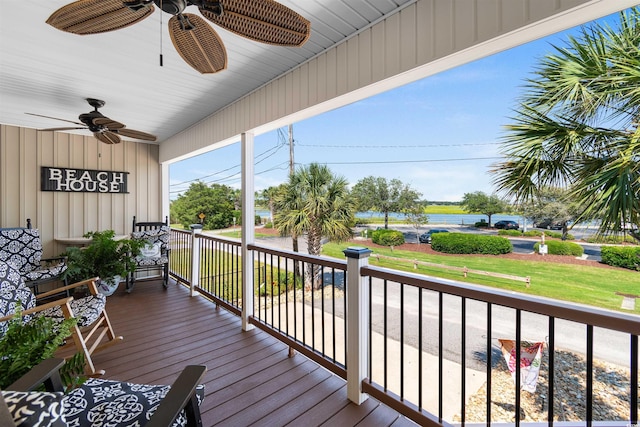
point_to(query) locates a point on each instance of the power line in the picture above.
(274, 149)
(410, 161)
(470, 144)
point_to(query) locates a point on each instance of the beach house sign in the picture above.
(82, 180)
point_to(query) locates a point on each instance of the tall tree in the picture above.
(267, 198)
(215, 202)
(415, 216)
(379, 195)
(316, 203)
(577, 125)
(552, 205)
(479, 202)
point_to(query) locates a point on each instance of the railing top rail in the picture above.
(177, 230)
(314, 259)
(608, 319)
(218, 239)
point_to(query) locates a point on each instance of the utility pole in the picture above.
(291, 162)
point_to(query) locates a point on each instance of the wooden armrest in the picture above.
(46, 372)
(57, 258)
(38, 308)
(181, 396)
(91, 283)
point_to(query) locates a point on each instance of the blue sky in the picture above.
(439, 135)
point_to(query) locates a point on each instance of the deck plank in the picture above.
(250, 379)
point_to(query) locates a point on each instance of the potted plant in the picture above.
(27, 343)
(104, 257)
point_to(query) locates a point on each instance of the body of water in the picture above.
(455, 219)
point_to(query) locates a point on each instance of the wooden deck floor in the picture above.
(250, 379)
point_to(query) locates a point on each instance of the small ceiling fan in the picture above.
(265, 21)
(103, 128)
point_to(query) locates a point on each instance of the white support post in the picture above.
(357, 323)
(248, 227)
(164, 193)
(196, 229)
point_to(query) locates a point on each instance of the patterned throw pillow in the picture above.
(34, 408)
(156, 235)
(13, 292)
(101, 402)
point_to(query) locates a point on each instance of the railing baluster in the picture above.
(402, 341)
(589, 372)
(370, 374)
(440, 354)
(633, 372)
(551, 374)
(517, 362)
(385, 337)
(420, 358)
(489, 362)
(463, 361)
(333, 311)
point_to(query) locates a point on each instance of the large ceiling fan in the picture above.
(103, 128)
(266, 21)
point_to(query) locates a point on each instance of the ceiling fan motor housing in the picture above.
(172, 7)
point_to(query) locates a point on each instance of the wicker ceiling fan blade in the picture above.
(59, 129)
(97, 16)
(107, 123)
(108, 137)
(197, 43)
(135, 134)
(56, 118)
(265, 21)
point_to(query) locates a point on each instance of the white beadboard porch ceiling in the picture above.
(49, 72)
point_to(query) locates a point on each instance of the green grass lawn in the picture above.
(593, 286)
(445, 209)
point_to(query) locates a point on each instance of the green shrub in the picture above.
(268, 225)
(532, 233)
(618, 256)
(613, 239)
(386, 237)
(481, 223)
(464, 243)
(558, 247)
(515, 233)
(363, 221)
(557, 235)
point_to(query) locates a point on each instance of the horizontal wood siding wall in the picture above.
(419, 34)
(59, 214)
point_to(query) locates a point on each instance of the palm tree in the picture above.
(577, 125)
(315, 202)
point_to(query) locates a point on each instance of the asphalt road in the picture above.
(608, 346)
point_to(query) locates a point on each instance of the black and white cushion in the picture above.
(34, 408)
(155, 251)
(102, 403)
(13, 293)
(86, 310)
(22, 247)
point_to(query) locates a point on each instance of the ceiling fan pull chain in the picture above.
(161, 34)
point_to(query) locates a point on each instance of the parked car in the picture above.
(549, 225)
(507, 225)
(426, 237)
